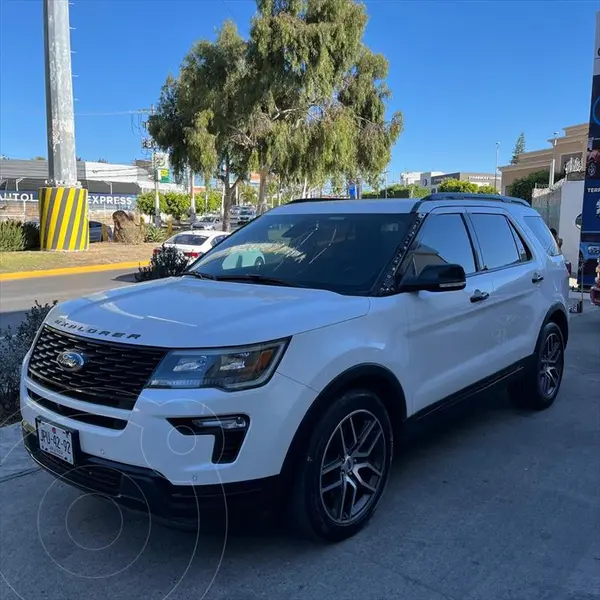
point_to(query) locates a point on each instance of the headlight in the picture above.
(224, 368)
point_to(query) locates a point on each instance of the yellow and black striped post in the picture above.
(64, 221)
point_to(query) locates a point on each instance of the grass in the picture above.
(100, 253)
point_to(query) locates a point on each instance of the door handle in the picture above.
(478, 296)
(537, 278)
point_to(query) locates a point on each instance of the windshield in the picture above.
(344, 253)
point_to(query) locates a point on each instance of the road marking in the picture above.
(71, 270)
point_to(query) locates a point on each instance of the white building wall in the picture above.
(571, 204)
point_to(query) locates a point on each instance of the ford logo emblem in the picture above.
(71, 361)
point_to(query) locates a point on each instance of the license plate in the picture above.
(56, 441)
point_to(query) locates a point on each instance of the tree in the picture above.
(39, 158)
(102, 160)
(202, 114)
(318, 93)
(247, 194)
(456, 185)
(487, 189)
(146, 202)
(523, 187)
(177, 204)
(518, 149)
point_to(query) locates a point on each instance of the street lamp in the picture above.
(553, 163)
(496, 169)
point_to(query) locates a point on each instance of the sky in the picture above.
(465, 74)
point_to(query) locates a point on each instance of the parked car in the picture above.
(210, 222)
(291, 378)
(193, 244)
(96, 232)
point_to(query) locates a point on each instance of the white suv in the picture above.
(293, 375)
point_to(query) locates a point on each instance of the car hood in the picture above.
(184, 312)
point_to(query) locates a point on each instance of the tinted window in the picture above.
(344, 253)
(496, 240)
(443, 239)
(187, 239)
(217, 239)
(95, 224)
(543, 234)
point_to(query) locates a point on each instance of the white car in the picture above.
(292, 376)
(193, 244)
(210, 222)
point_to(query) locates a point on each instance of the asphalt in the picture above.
(17, 297)
(499, 504)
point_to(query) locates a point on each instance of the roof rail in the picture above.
(300, 200)
(466, 196)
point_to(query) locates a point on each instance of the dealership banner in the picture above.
(95, 201)
(590, 214)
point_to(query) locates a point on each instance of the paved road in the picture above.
(16, 297)
(500, 505)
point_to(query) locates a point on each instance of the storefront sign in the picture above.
(95, 201)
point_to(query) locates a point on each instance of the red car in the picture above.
(595, 291)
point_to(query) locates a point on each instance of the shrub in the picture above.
(155, 235)
(15, 346)
(31, 236)
(12, 238)
(177, 204)
(146, 201)
(169, 262)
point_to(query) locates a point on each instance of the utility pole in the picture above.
(192, 198)
(63, 203)
(553, 163)
(496, 169)
(60, 118)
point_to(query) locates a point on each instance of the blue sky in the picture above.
(466, 74)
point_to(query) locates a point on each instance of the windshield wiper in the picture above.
(257, 278)
(199, 275)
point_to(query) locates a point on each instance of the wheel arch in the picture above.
(369, 376)
(557, 314)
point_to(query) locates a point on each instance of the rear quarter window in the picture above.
(543, 234)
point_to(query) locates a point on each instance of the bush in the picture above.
(169, 262)
(155, 235)
(12, 238)
(177, 204)
(145, 203)
(31, 236)
(14, 348)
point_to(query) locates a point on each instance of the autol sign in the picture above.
(95, 201)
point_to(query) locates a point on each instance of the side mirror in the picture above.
(435, 278)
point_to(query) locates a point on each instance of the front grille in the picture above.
(77, 415)
(114, 374)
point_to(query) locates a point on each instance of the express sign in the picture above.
(95, 201)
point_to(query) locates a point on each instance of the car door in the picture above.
(517, 302)
(449, 333)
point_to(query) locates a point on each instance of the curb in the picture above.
(70, 270)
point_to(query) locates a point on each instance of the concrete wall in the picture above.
(570, 207)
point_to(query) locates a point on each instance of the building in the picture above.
(432, 180)
(569, 148)
(110, 186)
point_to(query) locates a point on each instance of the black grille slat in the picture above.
(114, 375)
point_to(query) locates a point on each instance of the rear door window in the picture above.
(543, 234)
(496, 240)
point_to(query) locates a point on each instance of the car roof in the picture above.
(201, 232)
(402, 205)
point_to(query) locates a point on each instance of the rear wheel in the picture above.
(340, 482)
(540, 386)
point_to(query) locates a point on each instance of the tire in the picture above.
(314, 509)
(539, 387)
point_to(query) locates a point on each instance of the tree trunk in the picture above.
(262, 191)
(305, 187)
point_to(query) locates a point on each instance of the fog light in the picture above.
(227, 423)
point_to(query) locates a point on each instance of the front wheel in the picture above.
(540, 386)
(340, 482)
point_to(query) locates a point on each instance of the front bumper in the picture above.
(145, 437)
(145, 490)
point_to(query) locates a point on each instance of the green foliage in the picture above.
(15, 346)
(146, 202)
(12, 238)
(177, 204)
(455, 185)
(523, 187)
(487, 189)
(518, 149)
(155, 235)
(169, 262)
(31, 236)
(247, 194)
(398, 190)
(302, 98)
